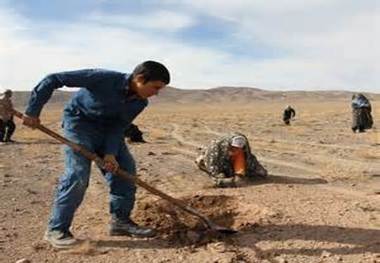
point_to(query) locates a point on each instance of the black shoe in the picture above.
(9, 140)
(59, 239)
(129, 228)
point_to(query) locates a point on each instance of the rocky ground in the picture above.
(319, 204)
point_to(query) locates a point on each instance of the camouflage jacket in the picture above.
(216, 159)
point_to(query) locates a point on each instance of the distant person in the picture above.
(96, 117)
(134, 134)
(229, 157)
(361, 113)
(7, 125)
(289, 114)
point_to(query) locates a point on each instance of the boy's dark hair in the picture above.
(8, 92)
(152, 71)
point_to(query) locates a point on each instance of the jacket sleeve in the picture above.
(42, 92)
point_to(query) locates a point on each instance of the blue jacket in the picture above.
(102, 101)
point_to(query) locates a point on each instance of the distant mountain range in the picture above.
(218, 95)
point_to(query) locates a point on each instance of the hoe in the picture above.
(123, 174)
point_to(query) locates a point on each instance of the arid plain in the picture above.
(320, 203)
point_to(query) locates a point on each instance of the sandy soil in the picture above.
(321, 202)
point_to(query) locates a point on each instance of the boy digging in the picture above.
(96, 118)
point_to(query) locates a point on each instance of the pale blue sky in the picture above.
(290, 44)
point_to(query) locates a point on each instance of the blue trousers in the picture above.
(74, 182)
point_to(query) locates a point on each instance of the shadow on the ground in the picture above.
(135, 243)
(344, 240)
(339, 240)
(282, 179)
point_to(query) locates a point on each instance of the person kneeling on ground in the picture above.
(361, 113)
(134, 134)
(228, 157)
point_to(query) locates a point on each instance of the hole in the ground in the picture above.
(177, 226)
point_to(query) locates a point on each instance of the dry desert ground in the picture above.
(320, 203)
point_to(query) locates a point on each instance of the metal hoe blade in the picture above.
(222, 229)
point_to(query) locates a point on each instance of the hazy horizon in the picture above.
(65, 89)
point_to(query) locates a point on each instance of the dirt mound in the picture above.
(179, 227)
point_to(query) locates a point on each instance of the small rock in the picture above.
(151, 153)
(38, 246)
(30, 191)
(192, 249)
(168, 153)
(325, 254)
(24, 260)
(367, 208)
(219, 247)
(282, 260)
